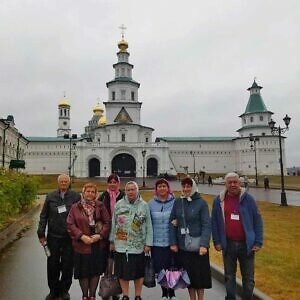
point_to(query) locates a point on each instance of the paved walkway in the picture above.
(23, 274)
(273, 196)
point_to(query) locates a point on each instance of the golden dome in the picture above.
(98, 110)
(64, 102)
(102, 121)
(123, 45)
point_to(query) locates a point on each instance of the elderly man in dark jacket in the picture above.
(53, 216)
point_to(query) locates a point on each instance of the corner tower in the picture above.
(123, 105)
(63, 117)
(255, 119)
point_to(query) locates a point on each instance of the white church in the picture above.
(119, 143)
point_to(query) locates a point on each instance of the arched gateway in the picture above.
(152, 167)
(94, 167)
(124, 165)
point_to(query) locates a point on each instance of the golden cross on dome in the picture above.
(123, 28)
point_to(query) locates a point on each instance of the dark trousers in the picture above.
(237, 251)
(60, 264)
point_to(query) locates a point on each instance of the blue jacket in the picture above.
(197, 221)
(160, 215)
(250, 217)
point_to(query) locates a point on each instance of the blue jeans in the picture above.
(237, 251)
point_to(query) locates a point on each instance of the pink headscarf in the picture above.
(113, 195)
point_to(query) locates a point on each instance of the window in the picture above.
(261, 118)
(113, 95)
(123, 137)
(65, 123)
(132, 96)
(263, 133)
(123, 94)
(147, 140)
(251, 119)
(244, 120)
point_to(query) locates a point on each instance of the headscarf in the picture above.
(113, 194)
(194, 190)
(137, 190)
(161, 181)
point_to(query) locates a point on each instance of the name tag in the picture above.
(184, 231)
(61, 209)
(235, 217)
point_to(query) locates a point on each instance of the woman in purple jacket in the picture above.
(89, 225)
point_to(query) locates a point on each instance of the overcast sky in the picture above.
(194, 60)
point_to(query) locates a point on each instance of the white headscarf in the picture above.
(194, 190)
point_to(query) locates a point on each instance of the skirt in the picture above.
(130, 266)
(90, 265)
(197, 267)
(163, 258)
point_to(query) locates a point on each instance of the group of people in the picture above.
(83, 230)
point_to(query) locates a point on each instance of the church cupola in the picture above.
(256, 117)
(63, 117)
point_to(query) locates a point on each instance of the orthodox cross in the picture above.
(123, 28)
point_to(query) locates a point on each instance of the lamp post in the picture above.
(253, 141)
(144, 154)
(71, 138)
(278, 130)
(193, 154)
(4, 142)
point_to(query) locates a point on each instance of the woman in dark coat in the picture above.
(109, 198)
(190, 217)
(89, 225)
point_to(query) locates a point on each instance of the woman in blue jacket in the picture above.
(160, 208)
(190, 218)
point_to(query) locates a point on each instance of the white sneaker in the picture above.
(164, 298)
(173, 298)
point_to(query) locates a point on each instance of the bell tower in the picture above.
(63, 117)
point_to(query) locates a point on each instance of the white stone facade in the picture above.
(119, 144)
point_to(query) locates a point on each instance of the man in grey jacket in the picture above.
(60, 259)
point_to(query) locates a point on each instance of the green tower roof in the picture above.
(255, 102)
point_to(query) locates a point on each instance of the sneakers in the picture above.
(164, 298)
(173, 298)
(125, 298)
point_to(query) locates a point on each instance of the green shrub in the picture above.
(17, 192)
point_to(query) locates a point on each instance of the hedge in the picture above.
(17, 193)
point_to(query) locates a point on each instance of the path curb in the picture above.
(12, 232)
(218, 274)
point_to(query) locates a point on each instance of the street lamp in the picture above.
(4, 142)
(70, 138)
(253, 147)
(144, 154)
(278, 130)
(193, 154)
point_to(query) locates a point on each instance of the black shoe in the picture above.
(52, 296)
(137, 298)
(65, 295)
(116, 297)
(125, 298)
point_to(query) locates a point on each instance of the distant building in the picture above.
(12, 142)
(119, 143)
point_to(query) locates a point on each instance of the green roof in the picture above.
(254, 86)
(195, 139)
(253, 126)
(255, 104)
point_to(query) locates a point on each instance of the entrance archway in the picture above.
(152, 167)
(124, 165)
(94, 167)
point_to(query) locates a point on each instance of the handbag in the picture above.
(149, 278)
(173, 279)
(191, 243)
(109, 283)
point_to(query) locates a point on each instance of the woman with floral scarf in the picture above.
(89, 240)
